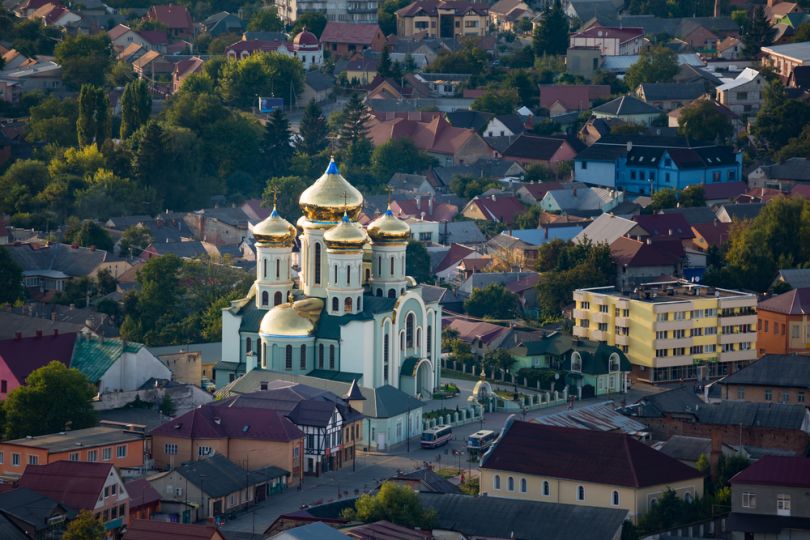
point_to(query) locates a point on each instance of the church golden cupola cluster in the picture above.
(389, 235)
(275, 237)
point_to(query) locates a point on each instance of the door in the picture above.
(380, 441)
(218, 507)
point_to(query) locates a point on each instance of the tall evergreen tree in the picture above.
(355, 120)
(756, 33)
(313, 130)
(94, 122)
(149, 154)
(136, 105)
(278, 149)
(551, 35)
(384, 68)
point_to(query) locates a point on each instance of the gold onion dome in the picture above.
(389, 228)
(275, 230)
(330, 197)
(345, 235)
(285, 320)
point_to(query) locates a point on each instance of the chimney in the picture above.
(669, 232)
(629, 145)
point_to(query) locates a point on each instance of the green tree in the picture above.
(802, 33)
(780, 118)
(134, 240)
(312, 21)
(499, 359)
(53, 121)
(417, 262)
(105, 195)
(703, 121)
(277, 147)
(265, 20)
(756, 33)
(10, 278)
(399, 155)
(53, 398)
(797, 146)
(264, 74)
(497, 102)
(355, 119)
(493, 301)
(386, 15)
(91, 234)
(94, 120)
(84, 59)
(656, 64)
(154, 312)
(395, 503)
(469, 59)
(289, 189)
(664, 198)
(136, 106)
(551, 35)
(85, 526)
(21, 182)
(313, 130)
(692, 196)
(167, 406)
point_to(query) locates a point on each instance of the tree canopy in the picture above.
(655, 64)
(84, 59)
(265, 20)
(10, 278)
(85, 526)
(703, 121)
(493, 302)
(551, 35)
(399, 155)
(395, 503)
(756, 33)
(263, 74)
(417, 262)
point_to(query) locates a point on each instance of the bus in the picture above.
(478, 442)
(436, 437)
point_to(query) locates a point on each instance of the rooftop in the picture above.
(800, 51)
(670, 291)
(83, 438)
(76, 484)
(776, 471)
(774, 370)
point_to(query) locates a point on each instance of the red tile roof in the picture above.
(432, 7)
(501, 208)
(476, 330)
(408, 208)
(715, 233)
(225, 422)
(794, 302)
(341, 32)
(573, 97)
(800, 190)
(524, 284)
(171, 16)
(142, 529)
(776, 471)
(635, 254)
(431, 133)
(76, 484)
(455, 254)
(22, 356)
(600, 457)
(154, 37)
(607, 32)
(723, 190)
(665, 226)
(141, 493)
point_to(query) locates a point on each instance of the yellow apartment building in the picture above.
(672, 331)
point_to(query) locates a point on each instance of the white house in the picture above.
(743, 95)
(115, 365)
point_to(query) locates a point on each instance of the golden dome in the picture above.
(275, 230)
(345, 235)
(388, 228)
(291, 319)
(330, 196)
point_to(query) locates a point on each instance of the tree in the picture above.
(10, 278)
(85, 526)
(94, 119)
(469, 59)
(664, 198)
(54, 397)
(496, 102)
(802, 33)
(780, 119)
(354, 123)
(84, 59)
(289, 189)
(167, 407)
(384, 68)
(278, 149)
(551, 35)
(263, 74)
(493, 301)
(756, 33)
(692, 196)
(386, 15)
(499, 359)
(136, 106)
(134, 240)
(154, 312)
(21, 182)
(399, 155)
(53, 121)
(395, 503)
(796, 146)
(656, 64)
(265, 20)
(311, 21)
(313, 130)
(417, 262)
(703, 120)
(92, 234)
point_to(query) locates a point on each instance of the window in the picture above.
(614, 362)
(785, 397)
(546, 488)
(615, 498)
(203, 451)
(661, 353)
(429, 339)
(347, 305)
(661, 334)
(523, 485)
(15, 460)
(585, 305)
(2, 458)
(662, 317)
(740, 393)
(170, 449)
(580, 493)
(632, 175)
(106, 454)
(392, 266)
(749, 500)
(742, 95)
(603, 326)
(800, 397)
(679, 334)
(603, 308)
(576, 362)
(386, 350)
(288, 357)
(74, 456)
(768, 394)
(409, 330)
(496, 481)
(320, 356)
(248, 345)
(278, 268)
(317, 264)
(335, 304)
(794, 331)
(510, 484)
(265, 298)
(121, 452)
(680, 315)
(92, 455)
(303, 363)
(584, 165)
(783, 505)
(331, 357)
(33, 460)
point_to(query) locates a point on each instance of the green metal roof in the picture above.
(93, 357)
(329, 325)
(595, 357)
(409, 367)
(392, 402)
(251, 317)
(342, 376)
(555, 344)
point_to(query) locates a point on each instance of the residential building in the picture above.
(738, 212)
(122, 36)
(443, 19)
(145, 529)
(611, 41)
(670, 96)
(345, 11)
(175, 18)
(560, 99)
(785, 58)
(729, 48)
(644, 165)
(671, 331)
(21, 356)
(317, 86)
(503, 13)
(744, 94)
(481, 336)
(35, 514)
(769, 499)
(579, 200)
(220, 485)
(774, 378)
(496, 208)
(797, 278)
(782, 176)
(531, 149)
(583, 61)
(708, 235)
(628, 109)
(346, 39)
(608, 228)
(183, 69)
(55, 15)
(608, 470)
(107, 443)
(95, 487)
(222, 23)
(144, 501)
(260, 437)
(505, 125)
(447, 267)
(783, 325)
(304, 45)
(640, 261)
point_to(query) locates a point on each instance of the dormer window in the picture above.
(576, 362)
(614, 362)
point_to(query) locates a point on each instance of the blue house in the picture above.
(647, 164)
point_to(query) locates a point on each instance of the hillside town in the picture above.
(413, 270)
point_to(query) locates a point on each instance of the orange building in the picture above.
(783, 323)
(112, 444)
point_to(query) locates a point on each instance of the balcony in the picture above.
(622, 340)
(750, 319)
(579, 331)
(737, 356)
(622, 321)
(582, 314)
(600, 317)
(673, 343)
(738, 337)
(674, 325)
(597, 335)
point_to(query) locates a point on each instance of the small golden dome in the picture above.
(286, 320)
(388, 228)
(275, 230)
(330, 197)
(345, 235)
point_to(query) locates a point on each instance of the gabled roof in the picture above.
(434, 482)
(458, 232)
(723, 190)
(573, 97)
(171, 16)
(694, 215)
(626, 106)
(485, 332)
(676, 400)
(796, 277)
(632, 253)
(607, 228)
(715, 233)
(69, 260)
(503, 208)
(355, 33)
(95, 356)
(788, 370)
(673, 226)
(218, 422)
(22, 356)
(776, 471)
(686, 448)
(465, 118)
(513, 122)
(76, 484)
(29, 506)
(623, 34)
(456, 253)
(141, 493)
(142, 529)
(746, 76)
(533, 147)
(667, 91)
(741, 211)
(217, 476)
(608, 458)
(431, 133)
(597, 417)
(793, 302)
(431, 7)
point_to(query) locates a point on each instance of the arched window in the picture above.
(320, 356)
(335, 303)
(335, 274)
(264, 268)
(510, 484)
(368, 274)
(288, 357)
(248, 345)
(317, 264)
(523, 485)
(277, 298)
(430, 339)
(359, 303)
(576, 362)
(278, 268)
(265, 298)
(331, 357)
(347, 305)
(546, 488)
(392, 266)
(392, 293)
(686, 497)
(419, 337)
(379, 292)
(580, 493)
(616, 498)
(496, 481)
(303, 357)
(409, 330)
(402, 341)
(348, 275)
(386, 352)
(614, 362)
(379, 264)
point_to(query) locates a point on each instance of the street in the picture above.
(372, 469)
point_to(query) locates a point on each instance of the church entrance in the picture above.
(424, 379)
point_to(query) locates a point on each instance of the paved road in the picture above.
(372, 469)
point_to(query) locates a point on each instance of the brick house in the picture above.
(783, 323)
(345, 39)
(176, 19)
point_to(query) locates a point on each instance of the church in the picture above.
(348, 312)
